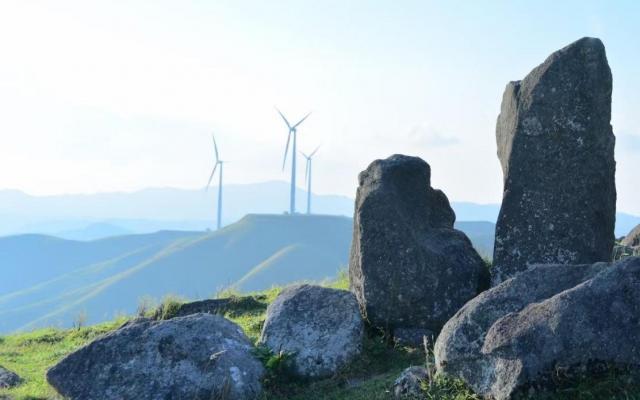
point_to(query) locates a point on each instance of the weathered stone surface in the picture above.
(412, 336)
(201, 356)
(409, 383)
(320, 327)
(408, 267)
(633, 238)
(555, 144)
(546, 318)
(8, 378)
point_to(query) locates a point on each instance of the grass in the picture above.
(370, 377)
(31, 354)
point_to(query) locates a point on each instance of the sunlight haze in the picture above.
(100, 96)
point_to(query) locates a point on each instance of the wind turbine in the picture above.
(292, 131)
(307, 177)
(215, 166)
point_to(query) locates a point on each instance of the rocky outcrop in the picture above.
(555, 144)
(408, 267)
(200, 356)
(547, 318)
(8, 379)
(321, 328)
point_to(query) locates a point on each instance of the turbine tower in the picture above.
(292, 132)
(215, 166)
(307, 177)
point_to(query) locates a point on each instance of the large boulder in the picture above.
(8, 378)
(546, 319)
(555, 144)
(409, 269)
(321, 329)
(201, 356)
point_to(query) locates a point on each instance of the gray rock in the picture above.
(412, 336)
(409, 383)
(201, 356)
(8, 378)
(322, 328)
(555, 144)
(548, 318)
(633, 238)
(408, 267)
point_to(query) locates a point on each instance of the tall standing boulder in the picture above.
(409, 269)
(555, 144)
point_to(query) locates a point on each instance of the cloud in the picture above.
(427, 135)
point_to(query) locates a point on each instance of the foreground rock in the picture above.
(201, 356)
(409, 383)
(8, 379)
(409, 268)
(548, 318)
(320, 327)
(555, 144)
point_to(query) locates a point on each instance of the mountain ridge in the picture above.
(92, 216)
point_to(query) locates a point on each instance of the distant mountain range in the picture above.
(50, 281)
(87, 217)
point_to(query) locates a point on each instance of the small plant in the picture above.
(278, 366)
(169, 307)
(80, 320)
(427, 360)
(146, 305)
(227, 292)
(445, 388)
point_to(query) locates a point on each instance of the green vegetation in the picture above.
(30, 354)
(369, 378)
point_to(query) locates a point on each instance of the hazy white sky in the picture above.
(120, 95)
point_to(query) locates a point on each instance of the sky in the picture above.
(100, 96)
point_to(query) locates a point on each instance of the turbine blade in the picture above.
(304, 155)
(314, 152)
(286, 149)
(285, 120)
(212, 173)
(215, 147)
(299, 122)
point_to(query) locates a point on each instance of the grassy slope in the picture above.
(369, 378)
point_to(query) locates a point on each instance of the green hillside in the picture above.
(252, 254)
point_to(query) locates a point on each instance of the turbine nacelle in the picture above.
(309, 158)
(292, 130)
